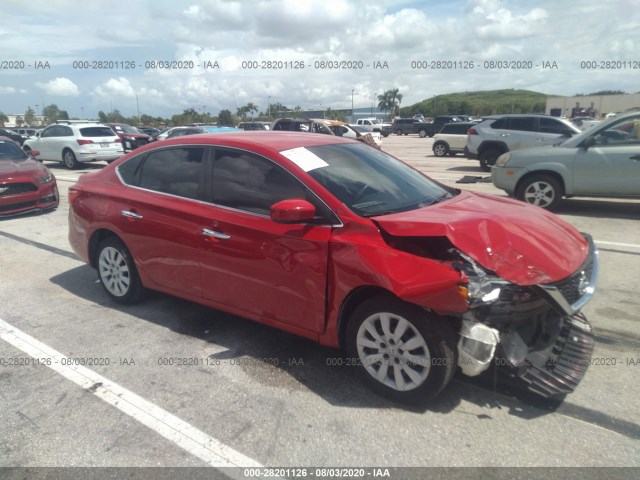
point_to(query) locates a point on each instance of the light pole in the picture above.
(352, 92)
(269, 106)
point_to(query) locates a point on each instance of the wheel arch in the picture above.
(552, 173)
(96, 238)
(484, 146)
(355, 298)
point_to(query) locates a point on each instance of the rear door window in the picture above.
(176, 171)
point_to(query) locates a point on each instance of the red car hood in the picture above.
(9, 168)
(521, 243)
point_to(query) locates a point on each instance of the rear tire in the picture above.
(488, 158)
(399, 131)
(422, 133)
(69, 159)
(402, 352)
(440, 149)
(117, 272)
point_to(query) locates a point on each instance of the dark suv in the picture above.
(301, 125)
(403, 126)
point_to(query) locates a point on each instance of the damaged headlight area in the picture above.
(518, 328)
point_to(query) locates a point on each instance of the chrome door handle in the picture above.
(505, 134)
(128, 214)
(212, 233)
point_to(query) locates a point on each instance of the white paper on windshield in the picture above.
(303, 158)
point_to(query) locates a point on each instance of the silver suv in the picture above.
(499, 134)
(73, 142)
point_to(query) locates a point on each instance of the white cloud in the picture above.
(7, 90)
(61, 86)
(115, 87)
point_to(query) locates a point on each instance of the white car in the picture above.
(74, 142)
(451, 139)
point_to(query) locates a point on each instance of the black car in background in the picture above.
(16, 137)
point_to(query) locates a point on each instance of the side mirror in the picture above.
(292, 210)
(35, 153)
(588, 143)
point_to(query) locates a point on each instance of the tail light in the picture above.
(472, 131)
(73, 194)
(84, 142)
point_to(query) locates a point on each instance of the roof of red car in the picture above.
(275, 140)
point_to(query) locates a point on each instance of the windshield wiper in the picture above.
(441, 198)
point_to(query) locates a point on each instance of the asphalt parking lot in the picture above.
(173, 384)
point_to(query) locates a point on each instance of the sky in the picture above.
(87, 56)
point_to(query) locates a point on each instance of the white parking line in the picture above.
(194, 441)
(616, 244)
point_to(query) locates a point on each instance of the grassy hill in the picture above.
(480, 103)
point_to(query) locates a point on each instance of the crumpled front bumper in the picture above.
(558, 369)
(547, 343)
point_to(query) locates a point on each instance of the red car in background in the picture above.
(25, 183)
(131, 137)
(341, 243)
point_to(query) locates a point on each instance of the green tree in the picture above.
(102, 117)
(3, 119)
(276, 109)
(51, 113)
(19, 121)
(115, 117)
(251, 108)
(30, 117)
(225, 117)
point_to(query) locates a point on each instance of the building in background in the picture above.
(596, 106)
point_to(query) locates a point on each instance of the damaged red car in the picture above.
(334, 241)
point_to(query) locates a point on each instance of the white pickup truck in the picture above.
(377, 125)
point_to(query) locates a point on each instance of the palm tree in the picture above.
(390, 101)
(3, 119)
(394, 99)
(250, 108)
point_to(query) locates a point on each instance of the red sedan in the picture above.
(25, 183)
(335, 241)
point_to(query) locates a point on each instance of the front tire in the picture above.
(69, 160)
(402, 352)
(422, 133)
(488, 158)
(440, 149)
(541, 190)
(117, 272)
(399, 131)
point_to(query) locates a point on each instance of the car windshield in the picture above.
(10, 151)
(126, 129)
(368, 181)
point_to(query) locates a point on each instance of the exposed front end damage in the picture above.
(535, 331)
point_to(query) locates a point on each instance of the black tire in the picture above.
(69, 159)
(399, 131)
(541, 190)
(117, 272)
(440, 149)
(385, 135)
(434, 354)
(488, 158)
(422, 133)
